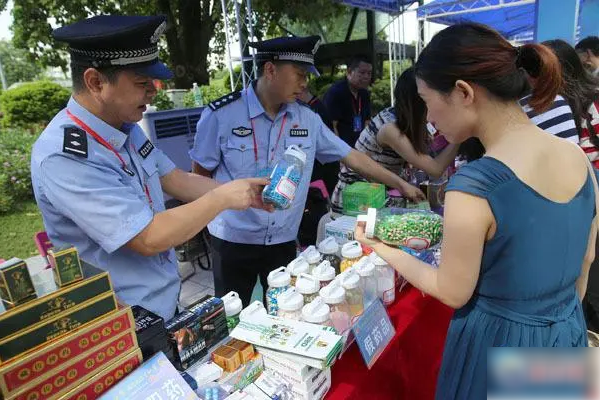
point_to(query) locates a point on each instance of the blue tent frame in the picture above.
(514, 19)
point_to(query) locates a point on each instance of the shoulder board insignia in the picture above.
(223, 101)
(75, 141)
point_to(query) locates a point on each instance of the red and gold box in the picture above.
(104, 379)
(46, 359)
(80, 368)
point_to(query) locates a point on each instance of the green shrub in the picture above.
(162, 102)
(380, 95)
(209, 93)
(32, 103)
(15, 156)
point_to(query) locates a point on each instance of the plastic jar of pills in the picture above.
(290, 304)
(279, 281)
(285, 179)
(329, 249)
(317, 312)
(312, 255)
(255, 308)
(386, 279)
(351, 253)
(233, 306)
(354, 296)
(368, 282)
(296, 267)
(335, 297)
(324, 273)
(308, 286)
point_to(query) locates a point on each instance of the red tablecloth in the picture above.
(409, 366)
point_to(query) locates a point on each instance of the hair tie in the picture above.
(518, 53)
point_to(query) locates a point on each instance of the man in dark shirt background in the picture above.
(349, 102)
(327, 172)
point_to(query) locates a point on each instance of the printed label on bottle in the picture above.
(286, 188)
(389, 296)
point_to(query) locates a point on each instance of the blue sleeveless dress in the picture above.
(525, 295)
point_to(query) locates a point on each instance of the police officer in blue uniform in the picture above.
(99, 181)
(243, 135)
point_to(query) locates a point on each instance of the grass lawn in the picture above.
(18, 229)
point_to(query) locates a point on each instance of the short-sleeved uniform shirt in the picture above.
(343, 108)
(224, 144)
(89, 201)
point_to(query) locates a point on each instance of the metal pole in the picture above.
(239, 28)
(2, 77)
(229, 65)
(390, 61)
(250, 23)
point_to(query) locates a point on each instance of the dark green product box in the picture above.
(52, 328)
(211, 311)
(16, 286)
(55, 303)
(66, 265)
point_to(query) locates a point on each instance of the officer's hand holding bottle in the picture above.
(241, 194)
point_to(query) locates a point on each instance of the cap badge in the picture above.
(159, 31)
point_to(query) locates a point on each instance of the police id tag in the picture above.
(357, 123)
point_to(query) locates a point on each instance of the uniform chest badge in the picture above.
(241, 131)
(299, 132)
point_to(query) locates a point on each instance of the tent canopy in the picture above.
(392, 7)
(512, 18)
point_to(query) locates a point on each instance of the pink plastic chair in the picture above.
(43, 244)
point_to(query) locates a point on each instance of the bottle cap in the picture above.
(232, 303)
(351, 250)
(307, 284)
(316, 312)
(333, 293)
(324, 271)
(290, 300)
(295, 151)
(298, 266)
(350, 280)
(311, 254)
(378, 261)
(255, 308)
(364, 267)
(329, 246)
(279, 277)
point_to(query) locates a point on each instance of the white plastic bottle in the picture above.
(386, 279)
(197, 93)
(233, 306)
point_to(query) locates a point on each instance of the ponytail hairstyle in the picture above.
(479, 55)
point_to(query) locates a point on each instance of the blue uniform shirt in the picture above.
(92, 203)
(224, 144)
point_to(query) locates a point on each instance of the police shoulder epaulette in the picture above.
(223, 101)
(75, 141)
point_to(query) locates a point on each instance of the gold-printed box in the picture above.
(45, 331)
(16, 286)
(79, 368)
(66, 265)
(46, 359)
(53, 304)
(105, 379)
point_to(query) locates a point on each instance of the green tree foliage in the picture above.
(16, 64)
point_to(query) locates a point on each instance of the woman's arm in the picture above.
(390, 135)
(468, 223)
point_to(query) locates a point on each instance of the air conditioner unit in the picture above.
(173, 131)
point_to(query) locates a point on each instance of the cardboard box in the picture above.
(186, 338)
(53, 304)
(53, 328)
(214, 322)
(227, 358)
(16, 286)
(342, 229)
(244, 375)
(80, 368)
(284, 364)
(246, 349)
(65, 265)
(104, 380)
(154, 379)
(47, 358)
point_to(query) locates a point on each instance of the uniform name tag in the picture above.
(299, 132)
(75, 142)
(146, 149)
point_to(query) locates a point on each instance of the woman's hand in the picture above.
(359, 234)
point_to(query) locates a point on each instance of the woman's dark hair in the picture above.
(410, 111)
(478, 54)
(580, 88)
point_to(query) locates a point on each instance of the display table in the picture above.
(409, 366)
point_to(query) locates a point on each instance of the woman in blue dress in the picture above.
(519, 223)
